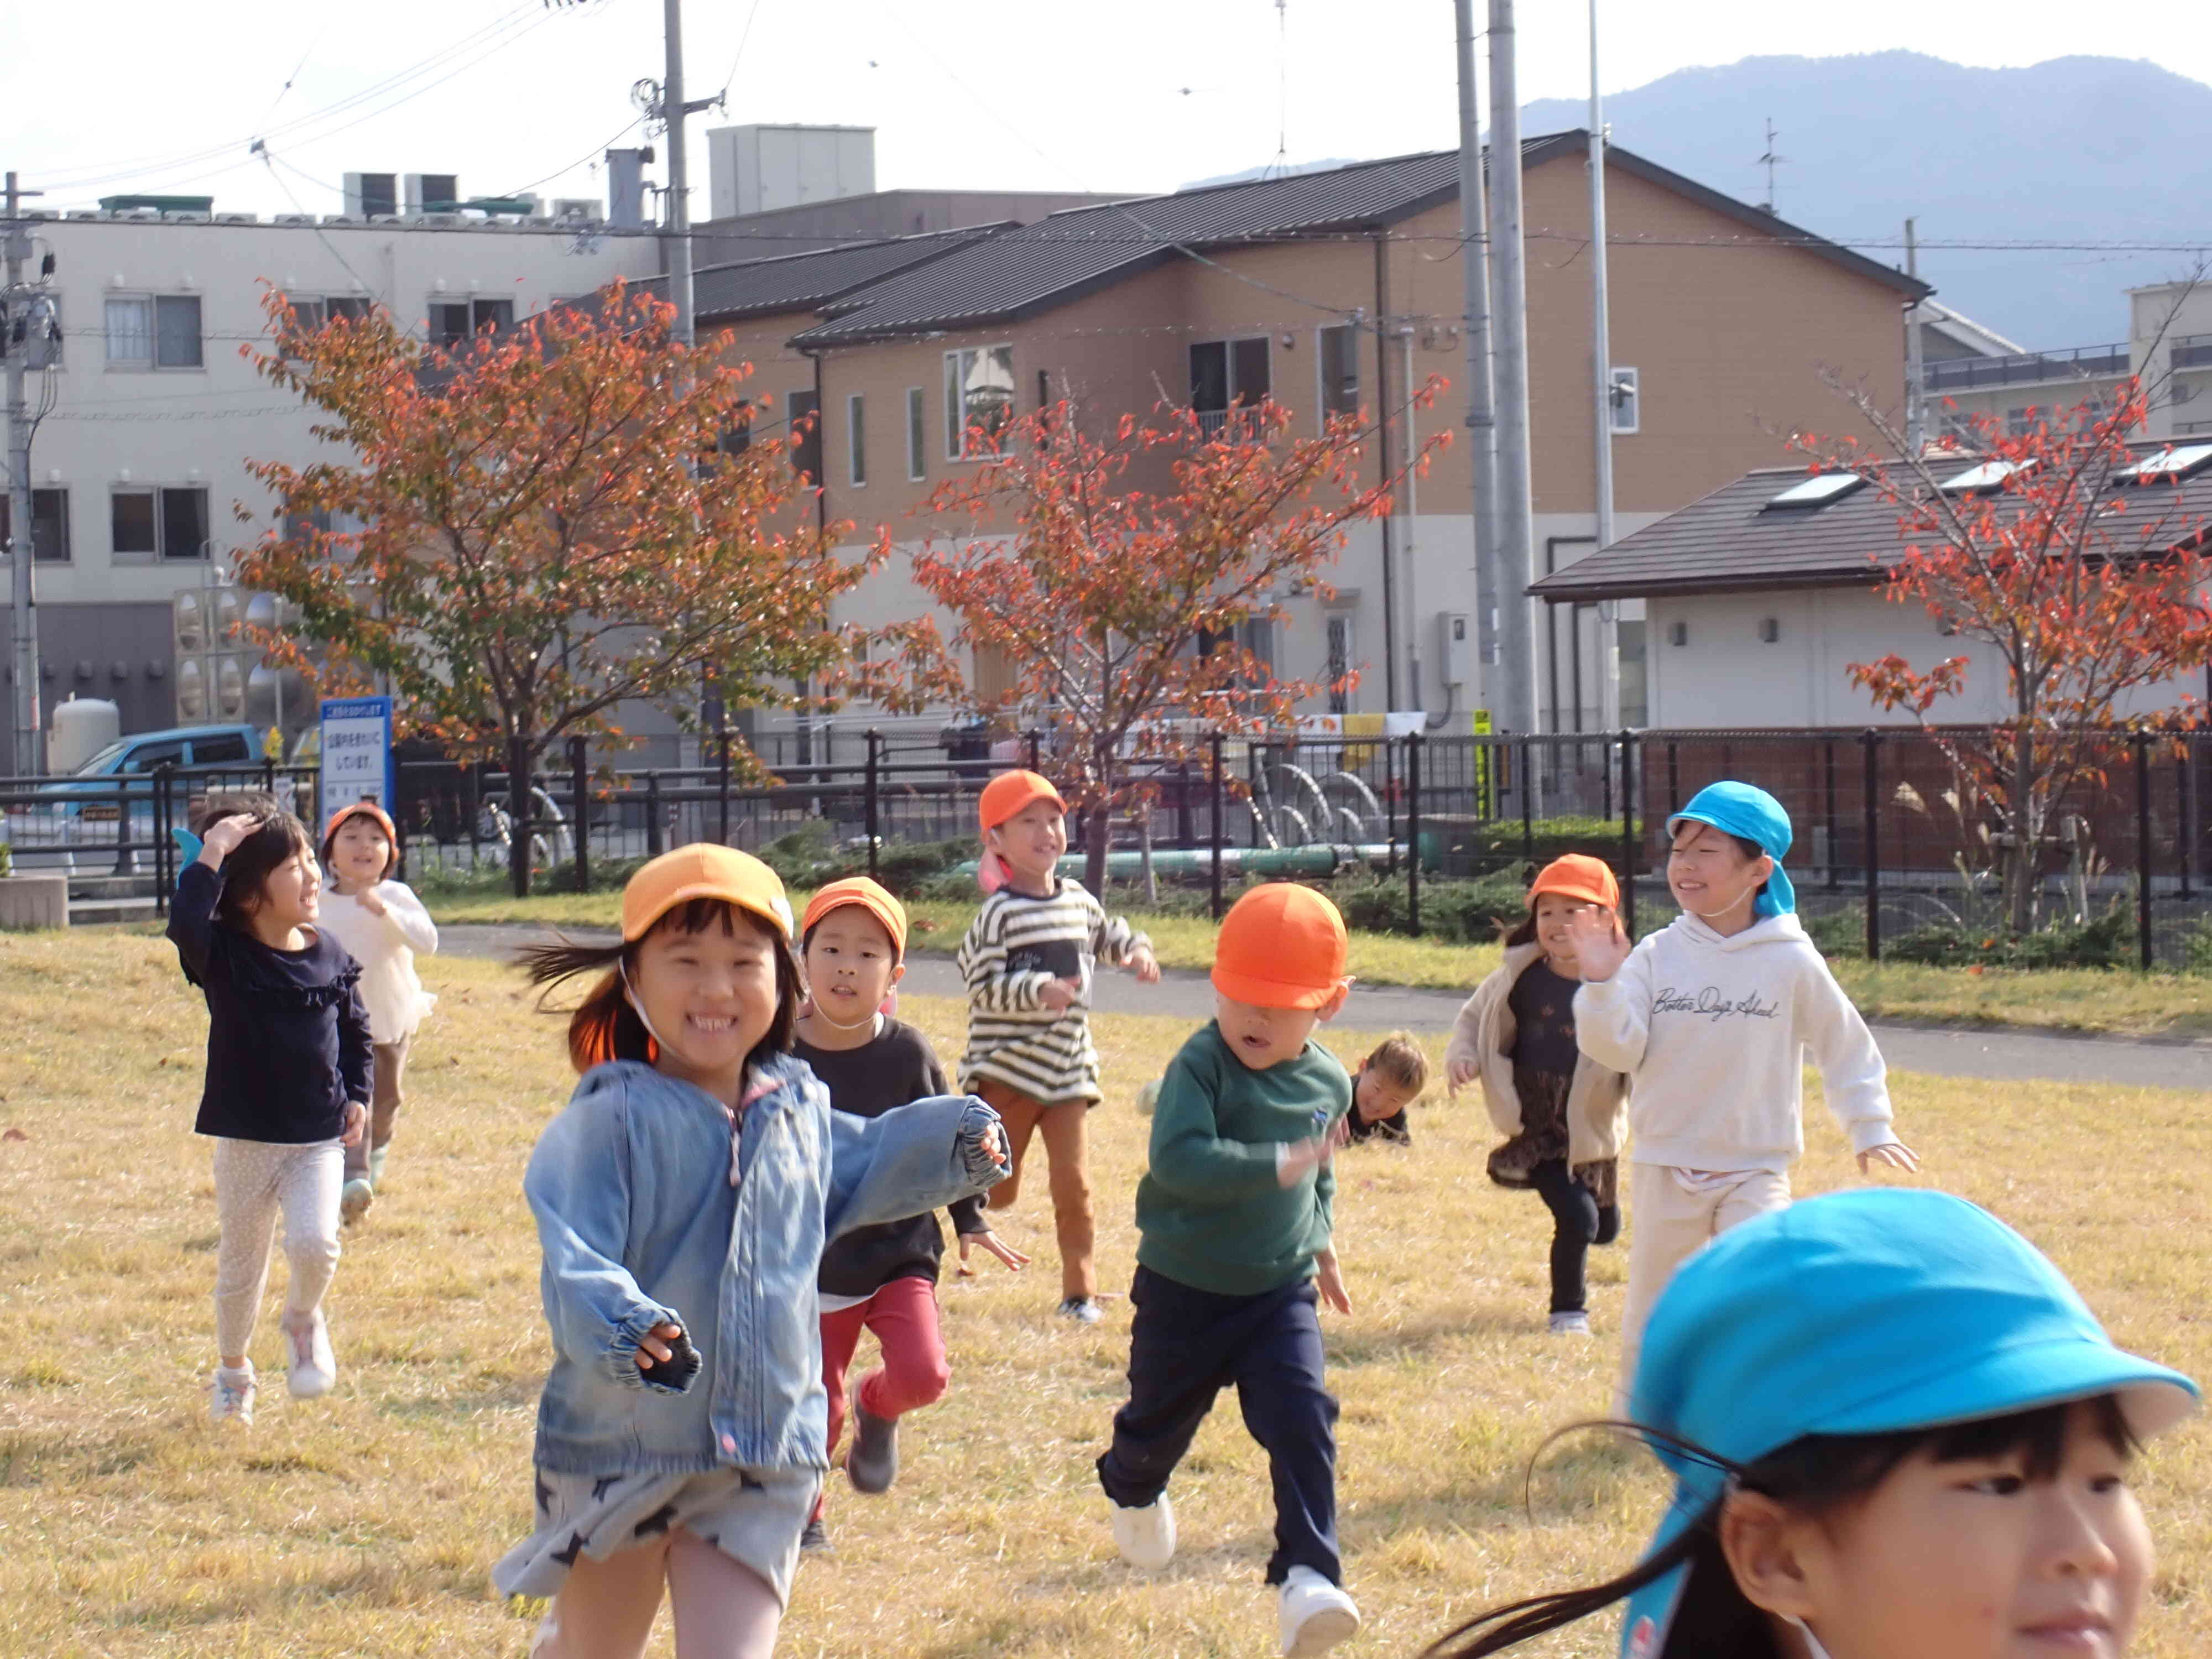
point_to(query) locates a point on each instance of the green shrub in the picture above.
(2106, 941)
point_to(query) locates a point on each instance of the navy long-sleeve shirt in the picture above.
(287, 1036)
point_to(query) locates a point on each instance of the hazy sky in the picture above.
(147, 95)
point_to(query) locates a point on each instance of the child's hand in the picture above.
(1296, 1159)
(654, 1343)
(368, 901)
(1895, 1153)
(1145, 965)
(665, 1355)
(1599, 945)
(1061, 994)
(994, 1144)
(222, 838)
(1329, 1281)
(356, 1120)
(1014, 1260)
(1458, 1074)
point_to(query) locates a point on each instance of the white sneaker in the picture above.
(313, 1368)
(354, 1199)
(1082, 1309)
(1571, 1324)
(1147, 1536)
(1315, 1614)
(230, 1397)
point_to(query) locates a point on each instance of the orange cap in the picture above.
(703, 870)
(1578, 875)
(870, 895)
(1281, 946)
(1010, 792)
(358, 808)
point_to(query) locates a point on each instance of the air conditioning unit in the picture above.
(576, 207)
(294, 219)
(369, 194)
(238, 218)
(188, 622)
(430, 192)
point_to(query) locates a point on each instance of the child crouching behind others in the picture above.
(682, 1198)
(1389, 1081)
(1235, 1254)
(1896, 1433)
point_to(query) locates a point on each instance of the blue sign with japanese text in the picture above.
(357, 757)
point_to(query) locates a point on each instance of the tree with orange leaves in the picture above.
(547, 525)
(2067, 555)
(1116, 607)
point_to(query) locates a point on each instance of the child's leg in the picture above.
(840, 1335)
(1289, 1412)
(1178, 1364)
(1759, 1192)
(1019, 1113)
(390, 1068)
(1671, 1224)
(246, 1207)
(309, 1184)
(1574, 1228)
(1064, 1127)
(913, 1373)
(605, 1608)
(724, 1609)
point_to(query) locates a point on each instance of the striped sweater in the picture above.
(1017, 946)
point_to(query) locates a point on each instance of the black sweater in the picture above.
(895, 1066)
(288, 1037)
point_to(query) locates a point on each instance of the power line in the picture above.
(731, 79)
(596, 149)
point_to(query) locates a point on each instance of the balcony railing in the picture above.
(2029, 367)
(2192, 351)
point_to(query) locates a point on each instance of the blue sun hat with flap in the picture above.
(1880, 1310)
(1745, 810)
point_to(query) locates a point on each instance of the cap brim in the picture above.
(707, 890)
(1269, 993)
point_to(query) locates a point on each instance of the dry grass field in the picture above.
(365, 1523)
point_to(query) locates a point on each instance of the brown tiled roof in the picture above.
(1736, 540)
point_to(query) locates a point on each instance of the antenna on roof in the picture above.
(1282, 162)
(1770, 161)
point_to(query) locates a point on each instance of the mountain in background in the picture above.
(2077, 150)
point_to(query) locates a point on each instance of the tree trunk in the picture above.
(518, 786)
(2021, 868)
(1098, 834)
(1144, 845)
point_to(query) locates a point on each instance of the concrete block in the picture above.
(29, 901)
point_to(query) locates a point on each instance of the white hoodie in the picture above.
(385, 946)
(1712, 1028)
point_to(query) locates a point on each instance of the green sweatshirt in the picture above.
(1210, 1211)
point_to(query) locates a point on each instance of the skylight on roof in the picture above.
(2168, 465)
(1818, 491)
(1988, 476)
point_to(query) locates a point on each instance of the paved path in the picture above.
(2000, 1053)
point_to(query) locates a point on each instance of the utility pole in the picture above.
(1510, 303)
(1916, 389)
(1608, 630)
(1481, 425)
(674, 109)
(23, 620)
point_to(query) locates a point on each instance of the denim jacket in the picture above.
(631, 1187)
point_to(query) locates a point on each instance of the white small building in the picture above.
(154, 408)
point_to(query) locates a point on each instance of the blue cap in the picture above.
(1872, 1311)
(1745, 810)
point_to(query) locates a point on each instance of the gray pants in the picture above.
(254, 1180)
(383, 1097)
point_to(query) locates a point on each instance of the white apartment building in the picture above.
(155, 408)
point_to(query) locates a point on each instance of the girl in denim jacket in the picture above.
(683, 1199)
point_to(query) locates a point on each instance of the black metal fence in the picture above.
(1891, 842)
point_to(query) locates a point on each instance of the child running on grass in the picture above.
(1710, 1017)
(288, 1079)
(382, 925)
(1389, 1081)
(1235, 1251)
(683, 1199)
(1896, 1433)
(882, 1278)
(1028, 961)
(1565, 1116)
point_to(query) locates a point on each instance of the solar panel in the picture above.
(2168, 465)
(1818, 491)
(1988, 476)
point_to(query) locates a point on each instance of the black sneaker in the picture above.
(871, 1463)
(815, 1541)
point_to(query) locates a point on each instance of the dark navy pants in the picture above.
(1185, 1346)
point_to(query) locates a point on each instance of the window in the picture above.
(856, 437)
(49, 540)
(354, 307)
(159, 331)
(1818, 491)
(979, 400)
(1339, 658)
(167, 524)
(738, 438)
(1627, 402)
(169, 751)
(1339, 358)
(805, 408)
(455, 322)
(308, 314)
(219, 751)
(917, 445)
(1225, 375)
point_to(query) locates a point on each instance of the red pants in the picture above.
(912, 1374)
